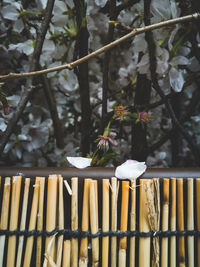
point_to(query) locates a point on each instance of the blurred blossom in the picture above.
(143, 116)
(106, 139)
(121, 112)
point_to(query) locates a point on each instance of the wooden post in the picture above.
(74, 222)
(105, 220)
(114, 198)
(165, 220)
(16, 189)
(123, 225)
(190, 220)
(198, 217)
(144, 242)
(173, 223)
(4, 216)
(132, 222)
(83, 261)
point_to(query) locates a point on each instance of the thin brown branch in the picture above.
(58, 130)
(103, 49)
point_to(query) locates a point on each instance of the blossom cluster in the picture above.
(33, 142)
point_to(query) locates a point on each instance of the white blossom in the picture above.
(130, 169)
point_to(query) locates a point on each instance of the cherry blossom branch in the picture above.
(103, 49)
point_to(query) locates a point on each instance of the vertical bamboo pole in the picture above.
(16, 189)
(74, 221)
(190, 220)
(40, 221)
(51, 216)
(94, 223)
(181, 241)
(144, 242)
(32, 223)
(198, 217)
(83, 261)
(173, 223)
(66, 253)
(4, 216)
(114, 197)
(105, 221)
(165, 220)
(132, 222)
(23, 221)
(60, 220)
(123, 224)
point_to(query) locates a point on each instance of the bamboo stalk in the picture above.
(123, 223)
(66, 253)
(40, 222)
(198, 218)
(153, 209)
(60, 221)
(144, 242)
(94, 223)
(51, 215)
(23, 221)
(173, 223)
(190, 220)
(165, 221)
(114, 197)
(16, 189)
(132, 222)
(4, 216)
(83, 261)
(181, 241)
(74, 221)
(32, 223)
(105, 220)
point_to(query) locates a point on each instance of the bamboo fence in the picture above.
(59, 222)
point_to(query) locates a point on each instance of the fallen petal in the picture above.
(79, 162)
(131, 169)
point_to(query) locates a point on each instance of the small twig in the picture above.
(133, 33)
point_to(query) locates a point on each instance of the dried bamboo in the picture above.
(165, 221)
(74, 221)
(51, 215)
(83, 261)
(123, 223)
(66, 253)
(60, 220)
(16, 189)
(173, 223)
(132, 222)
(181, 241)
(153, 209)
(40, 222)
(114, 197)
(32, 223)
(190, 220)
(198, 218)
(23, 221)
(94, 223)
(144, 242)
(105, 220)
(4, 216)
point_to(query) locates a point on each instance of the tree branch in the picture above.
(82, 74)
(58, 131)
(103, 49)
(34, 64)
(106, 62)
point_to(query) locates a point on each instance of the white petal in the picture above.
(176, 79)
(131, 169)
(179, 60)
(79, 162)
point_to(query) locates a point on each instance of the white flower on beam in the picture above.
(79, 162)
(131, 169)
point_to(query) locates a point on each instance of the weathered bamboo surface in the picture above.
(99, 222)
